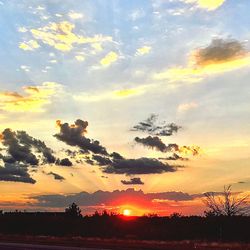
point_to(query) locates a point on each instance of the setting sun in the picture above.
(126, 212)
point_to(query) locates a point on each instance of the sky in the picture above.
(140, 105)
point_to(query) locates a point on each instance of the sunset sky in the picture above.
(140, 105)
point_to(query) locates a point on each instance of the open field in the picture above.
(63, 243)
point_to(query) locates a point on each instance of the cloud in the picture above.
(61, 36)
(206, 4)
(219, 57)
(151, 126)
(187, 106)
(29, 45)
(156, 143)
(21, 147)
(56, 176)
(113, 94)
(174, 157)
(133, 181)
(75, 15)
(139, 166)
(74, 135)
(108, 198)
(79, 58)
(33, 98)
(64, 162)
(16, 172)
(110, 58)
(143, 50)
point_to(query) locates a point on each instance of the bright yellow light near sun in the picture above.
(126, 212)
(194, 73)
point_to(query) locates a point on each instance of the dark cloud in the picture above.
(116, 156)
(139, 166)
(74, 135)
(17, 152)
(156, 143)
(133, 181)
(64, 162)
(174, 157)
(101, 161)
(16, 172)
(105, 197)
(56, 176)
(19, 146)
(151, 126)
(39, 145)
(220, 50)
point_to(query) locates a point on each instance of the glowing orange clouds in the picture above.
(32, 99)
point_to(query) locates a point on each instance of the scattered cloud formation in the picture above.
(74, 135)
(220, 56)
(187, 106)
(143, 50)
(133, 181)
(61, 36)
(110, 58)
(151, 126)
(206, 4)
(33, 98)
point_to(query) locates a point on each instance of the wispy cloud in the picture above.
(60, 36)
(143, 50)
(110, 58)
(32, 98)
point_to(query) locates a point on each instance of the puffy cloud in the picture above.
(56, 176)
(19, 147)
(143, 50)
(187, 106)
(16, 172)
(139, 166)
(151, 126)
(206, 4)
(133, 181)
(219, 57)
(33, 99)
(110, 58)
(61, 36)
(219, 51)
(74, 135)
(17, 152)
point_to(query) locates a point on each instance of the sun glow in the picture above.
(126, 212)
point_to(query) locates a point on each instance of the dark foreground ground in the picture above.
(13, 242)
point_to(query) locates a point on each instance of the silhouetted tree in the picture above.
(73, 210)
(226, 204)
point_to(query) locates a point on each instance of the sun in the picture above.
(126, 212)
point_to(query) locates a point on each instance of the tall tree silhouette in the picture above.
(73, 210)
(226, 204)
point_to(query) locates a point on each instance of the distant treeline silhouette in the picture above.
(110, 225)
